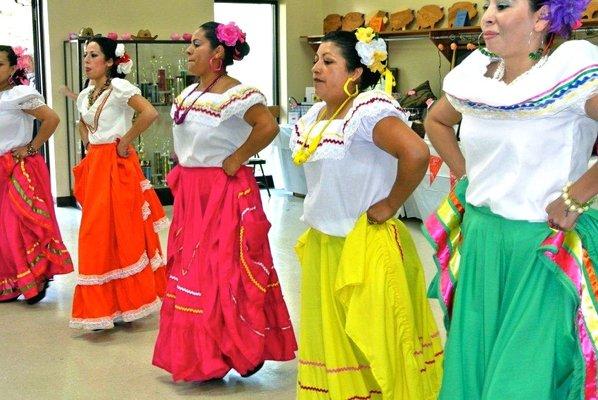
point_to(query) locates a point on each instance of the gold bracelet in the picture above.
(572, 204)
(30, 150)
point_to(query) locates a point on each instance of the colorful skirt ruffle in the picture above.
(224, 307)
(367, 330)
(520, 302)
(31, 249)
(121, 268)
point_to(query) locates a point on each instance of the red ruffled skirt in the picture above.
(31, 249)
(121, 268)
(223, 308)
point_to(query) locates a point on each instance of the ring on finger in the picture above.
(555, 226)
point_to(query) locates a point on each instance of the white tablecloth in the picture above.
(293, 177)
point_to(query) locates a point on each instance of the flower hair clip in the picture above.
(373, 54)
(565, 16)
(123, 62)
(24, 62)
(230, 34)
(23, 59)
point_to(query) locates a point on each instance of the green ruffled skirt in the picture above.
(520, 302)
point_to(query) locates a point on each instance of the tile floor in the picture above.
(41, 358)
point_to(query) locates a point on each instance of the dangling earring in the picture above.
(218, 66)
(346, 88)
(535, 55)
(484, 50)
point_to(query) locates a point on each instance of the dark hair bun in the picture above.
(240, 51)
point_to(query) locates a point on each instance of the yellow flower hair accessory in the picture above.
(373, 54)
(365, 35)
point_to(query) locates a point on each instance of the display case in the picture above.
(159, 70)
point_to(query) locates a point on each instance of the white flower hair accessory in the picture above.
(123, 62)
(371, 49)
(120, 50)
(373, 54)
(125, 67)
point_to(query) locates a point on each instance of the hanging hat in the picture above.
(144, 34)
(86, 32)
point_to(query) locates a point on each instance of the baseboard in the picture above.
(66, 201)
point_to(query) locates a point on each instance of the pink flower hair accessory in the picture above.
(230, 34)
(23, 59)
(24, 63)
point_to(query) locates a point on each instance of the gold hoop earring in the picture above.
(346, 88)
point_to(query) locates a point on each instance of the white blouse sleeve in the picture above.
(22, 98)
(368, 109)
(123, 90)
(241, 99)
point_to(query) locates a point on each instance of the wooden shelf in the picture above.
(438, 36)
(446, 36)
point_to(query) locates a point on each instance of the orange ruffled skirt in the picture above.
(121, 267)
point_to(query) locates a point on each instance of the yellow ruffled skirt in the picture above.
(367, 331)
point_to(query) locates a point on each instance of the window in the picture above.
(16, 28)
(19, 26)
(258, 20)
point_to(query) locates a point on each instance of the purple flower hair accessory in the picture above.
(564, 15)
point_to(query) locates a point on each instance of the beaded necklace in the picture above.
(180, 118)
(308, 148)
(499, 74)
(91, 98)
